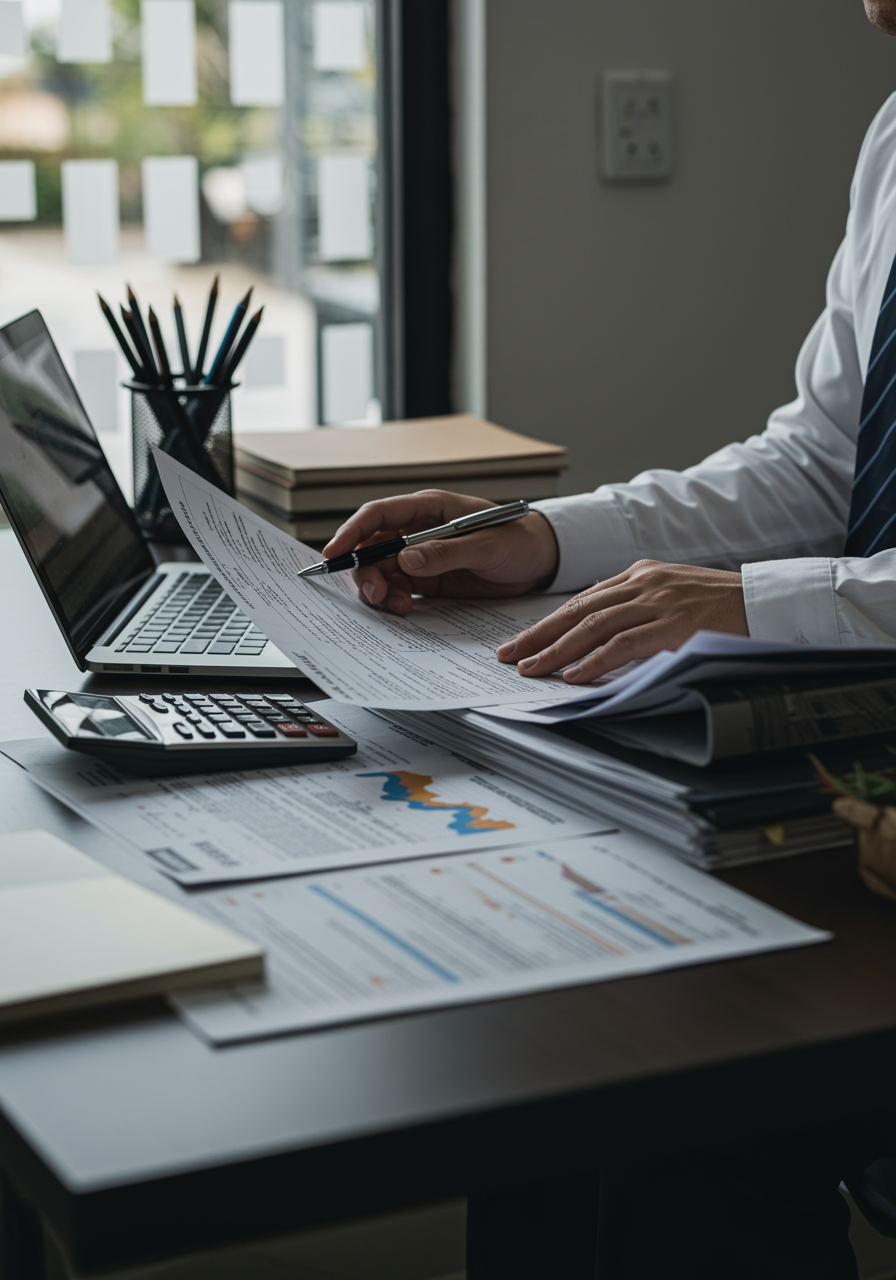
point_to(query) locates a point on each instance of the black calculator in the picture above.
(170, 733)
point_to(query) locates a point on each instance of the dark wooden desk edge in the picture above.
(837, 1087)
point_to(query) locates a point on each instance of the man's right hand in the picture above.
(506, 560)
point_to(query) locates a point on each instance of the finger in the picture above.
(384, 584)
(421, 510)
(595, 629)
(626, 646)
(594, 601)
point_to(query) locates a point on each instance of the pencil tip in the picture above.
(214, 288)
(131, 294)
(245, 301)
(176, 300)
(103, 303)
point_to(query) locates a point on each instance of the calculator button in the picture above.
(171, 697)
(290, 730)
(280, 697)
(322, 730)
(259, 730)
(204, 732)
(182, 729)
(147, 697)
(159, 707)
(245, 717)
(231, 730)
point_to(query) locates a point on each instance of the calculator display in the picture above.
(85, 713)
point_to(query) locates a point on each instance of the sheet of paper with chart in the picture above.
(440, 656)
(414, 935)
(400, 796)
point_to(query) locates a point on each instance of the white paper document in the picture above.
(343, 208)
(346, 366)
(18, 191)
(171, 207)
(656, 685)
(90, 211)
(368, 943)
(400, 796)
(340, 40)
(85, 31)
(442, 655)
(257, 62)
(168, 34)
(96, 377)
(13, 42)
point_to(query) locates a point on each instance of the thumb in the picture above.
(429, 559)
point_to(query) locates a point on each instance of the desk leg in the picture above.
(534, 1232)
(21, 1237)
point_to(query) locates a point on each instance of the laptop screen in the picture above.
(59, 492)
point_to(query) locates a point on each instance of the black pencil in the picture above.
(119, 336)
(134, 306)
(206, 331)
(148, 372)
(161, 350)
(240, 349)
(182, 338)
(227, 341)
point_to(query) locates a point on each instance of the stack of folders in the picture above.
(308, 482)
(712, 758)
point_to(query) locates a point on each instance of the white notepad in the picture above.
(73, 934)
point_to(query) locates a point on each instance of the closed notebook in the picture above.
(73, 935)
(289, 499)
(418, 449)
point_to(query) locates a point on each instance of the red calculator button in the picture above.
(322, 730)
(291, 730)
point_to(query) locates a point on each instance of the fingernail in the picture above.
(506, 650)
(395, 603)
(412, 558)
(367, 592)
(527, 664)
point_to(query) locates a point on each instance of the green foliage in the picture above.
(878, 787)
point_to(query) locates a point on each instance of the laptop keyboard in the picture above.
(195, 615)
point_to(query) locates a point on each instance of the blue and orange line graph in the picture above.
(412, 789)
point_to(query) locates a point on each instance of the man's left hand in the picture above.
(652, 606)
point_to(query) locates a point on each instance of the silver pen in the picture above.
(387, 550)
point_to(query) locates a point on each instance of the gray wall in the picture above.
(646, 326)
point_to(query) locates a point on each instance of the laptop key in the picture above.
(194, 646)
(166, 646)
(221, 647)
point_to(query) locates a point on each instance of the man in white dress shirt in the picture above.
(750, 541)
(790, 536)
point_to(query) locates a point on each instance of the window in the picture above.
(158, 143)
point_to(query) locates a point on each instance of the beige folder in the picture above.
(73, 934)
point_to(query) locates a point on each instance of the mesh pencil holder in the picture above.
(193, 426)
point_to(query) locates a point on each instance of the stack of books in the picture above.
(308, 482)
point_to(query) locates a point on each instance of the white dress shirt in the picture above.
(776, 506)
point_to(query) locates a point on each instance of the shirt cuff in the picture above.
(592, 536)
(791, 601)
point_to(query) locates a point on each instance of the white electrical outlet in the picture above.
(637, 126)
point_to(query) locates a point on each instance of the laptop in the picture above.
(117, 609)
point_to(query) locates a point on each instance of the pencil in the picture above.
(161, 351)
(206, 331)
(134, 306)
(240, 349)
(148, 372)
(119, 336)
(227, 341)
(182, 338)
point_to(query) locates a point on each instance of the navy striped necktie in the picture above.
(872, 512)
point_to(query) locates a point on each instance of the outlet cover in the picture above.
(637, 126)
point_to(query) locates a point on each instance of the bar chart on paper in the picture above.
(384, 940)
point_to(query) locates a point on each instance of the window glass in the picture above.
(231, 136)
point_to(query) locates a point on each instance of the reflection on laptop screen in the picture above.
(58, 490)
